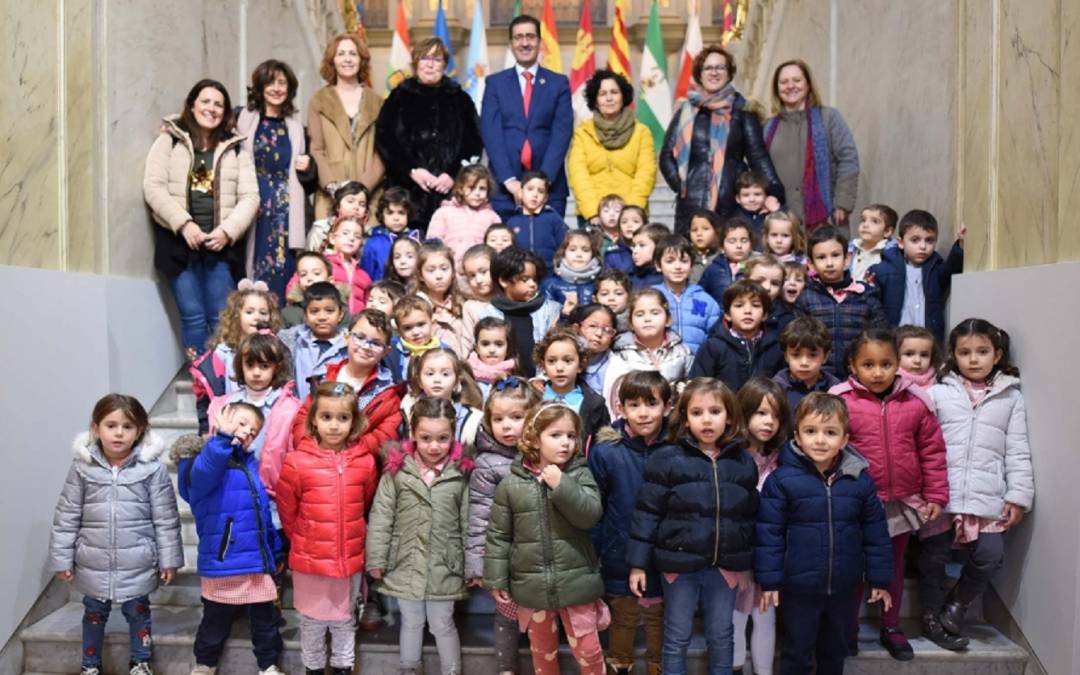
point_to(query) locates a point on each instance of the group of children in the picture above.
(430, 417)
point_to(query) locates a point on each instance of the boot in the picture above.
(936, 633)
(952, 614)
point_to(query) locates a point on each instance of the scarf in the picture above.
(582, 276)
(817, 178)
(614, 133)
(417, 350)
(486, 372)
(926, 380)
(520, 317)
(720, 105)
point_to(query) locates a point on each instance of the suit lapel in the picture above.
(515, 91)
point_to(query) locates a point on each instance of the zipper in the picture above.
(224, 548)
(341, 514)
(888, 451)
(259, 526)
(545, 526)
(716, 491)
(828, 501)
(112, 529)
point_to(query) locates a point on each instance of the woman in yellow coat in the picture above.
(612, 153)
(341, 121)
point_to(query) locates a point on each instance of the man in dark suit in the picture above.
(526, 121)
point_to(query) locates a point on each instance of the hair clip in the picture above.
(475, 159)
(341, 389)
(508, 382)
(249, 285)
(331, 188)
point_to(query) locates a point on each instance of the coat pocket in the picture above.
(226, 540)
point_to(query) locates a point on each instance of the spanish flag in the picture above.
(549, 40)
(618, 59)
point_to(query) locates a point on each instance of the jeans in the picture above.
(439, 616)
(681, 599)
(217, 621)
(200, 292)
(96, 615)
(816, 629)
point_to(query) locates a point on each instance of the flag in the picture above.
(654, 110)
(442, 31)
(584, 64)
(509, 61)
(691, 48)
(400, 66)
(618, 59)
(477, 67)
(550, 57)
(734, 20)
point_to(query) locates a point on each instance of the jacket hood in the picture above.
(851, 462)
(171, 124)
(147, 450)
(485, 442)
(618, 433)
(902, 383)
(626, 341)
(396, 452)
(998, 384)
(184, 447)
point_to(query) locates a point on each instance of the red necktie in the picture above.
(526, 150)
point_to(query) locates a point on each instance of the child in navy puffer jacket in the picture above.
(537, 227)
(577, 264)
(820, 529)
(238, 544)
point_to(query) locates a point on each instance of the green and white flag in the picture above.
(510, 61)
(654, 100)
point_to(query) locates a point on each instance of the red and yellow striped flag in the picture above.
(583, 65)
(549, 40)
(618, 59)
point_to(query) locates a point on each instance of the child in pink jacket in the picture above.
(461, 222)
(262, 371)
(893, 426)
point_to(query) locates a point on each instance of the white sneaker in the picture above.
(141, 668)
(204, 670)
(272, 670)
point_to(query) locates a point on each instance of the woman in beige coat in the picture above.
(201, 188)
(341, 121)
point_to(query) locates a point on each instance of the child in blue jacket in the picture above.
(693, 311)
(618, 464)
(395, 211)
(238, 544)
(820, 529)
(915, 265)
(537, 227)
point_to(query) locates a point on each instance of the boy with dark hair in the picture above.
(805, 344)
(612, 290)
(617, 462)
(393, 215)
(848, 307)
(914, 279)
(537, 227)
(877, 224)
(821, 529)
(751, 189)
(744, 346)
(320, 340)
(693, 311)
(518, 299)
(644, 273)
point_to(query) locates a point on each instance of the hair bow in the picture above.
(475, 159)
(342, 389)
(508, 382)
(266, 331)
(249, 285)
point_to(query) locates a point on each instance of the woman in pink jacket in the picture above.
(894, 427)
(461, 222)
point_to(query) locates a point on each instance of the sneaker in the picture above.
(936, 633)
(272, 670)
(90, 670)
(371, 618)
(140, 668)
(200, 669)
(895, 642)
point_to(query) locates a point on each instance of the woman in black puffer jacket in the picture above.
(694, 521)
(712, 139)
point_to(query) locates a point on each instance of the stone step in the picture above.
(53, 645)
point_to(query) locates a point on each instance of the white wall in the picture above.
(68, 339)
(1037, 306)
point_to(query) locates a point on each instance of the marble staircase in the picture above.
(52, 645)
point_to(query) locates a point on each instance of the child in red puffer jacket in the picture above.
(893, 426)
(325, 488)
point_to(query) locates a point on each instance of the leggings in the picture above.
(762, 640)
(986, 555)
(439, 616)
(891, 618)
(544, 638)
(313, 643)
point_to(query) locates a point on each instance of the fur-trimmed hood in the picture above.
(395, 452)
(149, 449)
(184, 447)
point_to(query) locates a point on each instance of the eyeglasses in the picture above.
(719, 68)
(524, 37)
(432, 57)
(361, 341)
(597, 328)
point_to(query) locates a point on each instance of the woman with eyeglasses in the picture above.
(341, 121)
(812, 148)
(427, 129)
(713, 137)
